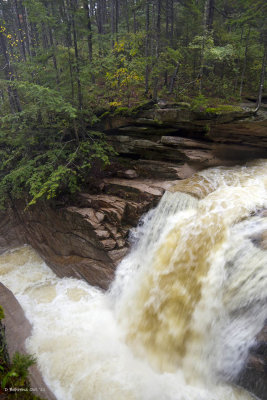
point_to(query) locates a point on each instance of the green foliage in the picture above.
(20, 365)
(199, 103)
(213, 53)
(15, 375)
(224, 108)
(47, 149)
(2, 314)
(122, 78)
(52, 86)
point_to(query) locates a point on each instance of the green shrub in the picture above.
(199, 103)
(2, 314)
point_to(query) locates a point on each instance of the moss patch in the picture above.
(224, 108)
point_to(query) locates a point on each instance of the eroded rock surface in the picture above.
(88, 239)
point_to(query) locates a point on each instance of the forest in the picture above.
(65, 63)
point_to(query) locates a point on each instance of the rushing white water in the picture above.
(183, 311)
(147, 235)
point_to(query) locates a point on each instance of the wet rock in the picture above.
(164, 170)
(117, 255)
(136, 190)
(128, 174)
(252, 133)
(109, 244)
(253, 377)
(87, 240)
(102, 234)
(11, 230)
(185, 142)
(260, 240)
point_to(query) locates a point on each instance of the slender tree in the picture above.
(262, 78)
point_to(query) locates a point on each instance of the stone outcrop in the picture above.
(11, 231)
(88, 239)
(177, 135)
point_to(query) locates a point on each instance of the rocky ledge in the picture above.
(174, 134)
(87, 239)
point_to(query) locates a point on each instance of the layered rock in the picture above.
(88, 239)
(177, 135)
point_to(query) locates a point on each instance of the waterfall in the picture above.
(185, 306)
(146, 236)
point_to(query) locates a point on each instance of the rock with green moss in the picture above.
(224, 108)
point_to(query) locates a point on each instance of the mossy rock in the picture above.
(105, 115)
(180, 105)
(183, 104)
(225, 108)
(122, 111)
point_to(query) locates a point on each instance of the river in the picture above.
(185, 306)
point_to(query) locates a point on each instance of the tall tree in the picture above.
(89, 27)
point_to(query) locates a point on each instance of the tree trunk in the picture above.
(134, 19)
(263, 67)
(147, 47)
(210, 14)
(27, 30)
(167, 20)
(52, 45)
(77, 63)
(202, 56)
(172, 21)
(238, 60)
(158, 47)
(113, 28)
(19, 29)
(173, 79)
(13, 97)
(126, 11)
(89, 28)
(116, 18)
(244, 65)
